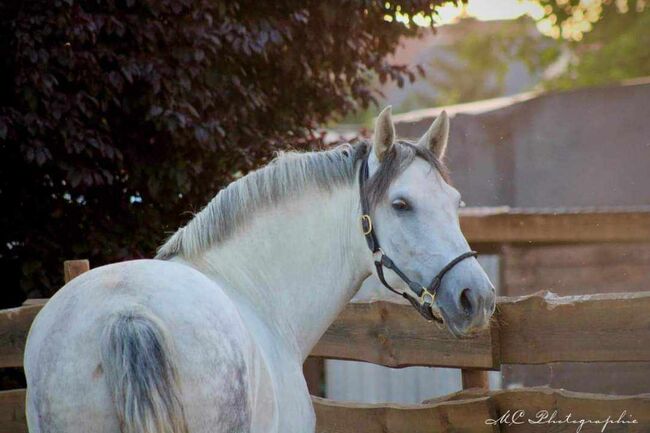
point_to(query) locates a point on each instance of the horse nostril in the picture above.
(465, 302)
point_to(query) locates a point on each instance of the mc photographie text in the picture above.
(545, 417)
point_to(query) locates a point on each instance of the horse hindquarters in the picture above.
(143, 382)
(105, 321)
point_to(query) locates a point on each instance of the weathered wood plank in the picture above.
(543, 328)
(473, 378)
(446, 417)
(538, 406)
(35, 301)
(14, 327)
(505, 225)
(535, 329)
(394, 335)
(12, 411)
(594, 407)
(575, 269)
(461, 412)
(476, 407)
(74, 268)
(15, 322)
(384, 333)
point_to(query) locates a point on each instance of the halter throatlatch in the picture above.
(426, 296)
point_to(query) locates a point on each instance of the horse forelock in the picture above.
(398, 157)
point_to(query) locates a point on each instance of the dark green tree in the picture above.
(117, 117)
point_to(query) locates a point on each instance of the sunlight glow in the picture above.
(483, 10)
(584, 14)
(486, 10)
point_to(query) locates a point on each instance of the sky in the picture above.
(584, 14)
(487, 10)
(484, 10)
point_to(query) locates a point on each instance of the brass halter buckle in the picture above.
(367, 227)
(426, 297)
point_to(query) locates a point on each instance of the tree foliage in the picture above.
(476, 66)
(596, 43)
(483, 61)
(616, 48)
(119, 116)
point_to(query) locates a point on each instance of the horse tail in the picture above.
(138, 367)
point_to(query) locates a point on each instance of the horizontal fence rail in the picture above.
(494, 226)
(12, 411)
(14, 327)
(394, 335)
(535, 329)
(468, 411)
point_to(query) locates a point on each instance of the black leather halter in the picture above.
(425, 295)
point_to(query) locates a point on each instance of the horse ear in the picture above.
(437, 135)
(384, 133)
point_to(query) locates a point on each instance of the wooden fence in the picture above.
(536, 329)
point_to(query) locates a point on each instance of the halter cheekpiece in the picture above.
(425, 295)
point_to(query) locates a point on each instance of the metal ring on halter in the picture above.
(425, 293)
(367, 228)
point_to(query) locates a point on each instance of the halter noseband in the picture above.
(425, 295)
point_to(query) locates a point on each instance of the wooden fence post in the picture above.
(313, 369)
(473, 378)
(74, 268)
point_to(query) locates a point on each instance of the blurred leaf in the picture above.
(617, 48)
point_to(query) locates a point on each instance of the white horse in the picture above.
(211, 336)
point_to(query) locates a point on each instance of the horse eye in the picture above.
(401, 204)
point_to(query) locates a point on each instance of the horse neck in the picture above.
(296, 265)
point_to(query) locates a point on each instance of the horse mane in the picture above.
(289, 174)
